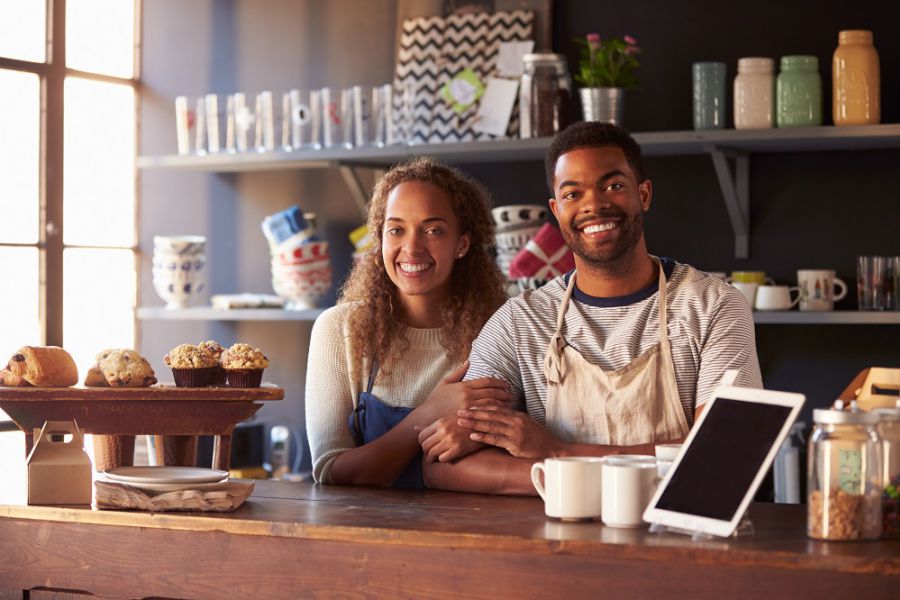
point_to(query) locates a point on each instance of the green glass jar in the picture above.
(798, 92)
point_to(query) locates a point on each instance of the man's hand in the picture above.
(445, 441)
(499, 425)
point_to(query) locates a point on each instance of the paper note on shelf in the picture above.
(233, 301)
(496, 106)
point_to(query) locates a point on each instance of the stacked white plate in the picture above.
(166, 479)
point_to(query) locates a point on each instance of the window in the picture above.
(67, 244)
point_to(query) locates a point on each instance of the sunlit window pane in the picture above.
(100, 36)
(21, 324)
(23, 27)
(20, 134)
(98, 302)
(12, 464)
(99, 163)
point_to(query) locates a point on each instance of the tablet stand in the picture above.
(744, 527)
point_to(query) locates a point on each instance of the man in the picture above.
(617, 356)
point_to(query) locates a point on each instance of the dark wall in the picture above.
(808, 210)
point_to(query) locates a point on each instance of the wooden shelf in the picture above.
(206, 313)
(786, 317)
(837, 317)
(664, 143)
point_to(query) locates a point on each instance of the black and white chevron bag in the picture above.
(434, 50)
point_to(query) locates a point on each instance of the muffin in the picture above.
(191, 366)
(216, 350)
(244, 365)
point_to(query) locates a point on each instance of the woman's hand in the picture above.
(453, 394)
(499, 425)
(445, 441)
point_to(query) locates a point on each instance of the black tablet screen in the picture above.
(723, 459)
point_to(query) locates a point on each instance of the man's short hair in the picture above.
(592, 134)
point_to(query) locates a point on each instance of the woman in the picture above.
(388, 360)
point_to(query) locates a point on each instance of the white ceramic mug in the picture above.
(628, 486)
(776, 297)
(817, 289)
(570, 487)
(665, 456)
(748, 290)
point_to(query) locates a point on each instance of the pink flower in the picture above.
(632, 50)
(593, 40)
(630, 40)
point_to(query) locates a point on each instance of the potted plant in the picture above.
(606, 69)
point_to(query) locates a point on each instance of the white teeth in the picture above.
(413, 268)
(599, 228)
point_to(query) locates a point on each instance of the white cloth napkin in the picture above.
(222, 498)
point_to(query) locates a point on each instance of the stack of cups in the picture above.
(362, 242)
(178, 268)
(301, 268)
(515, 226)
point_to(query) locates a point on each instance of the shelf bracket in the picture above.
(735, 185)
(357, 189)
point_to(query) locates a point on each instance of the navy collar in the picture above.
(633, 298)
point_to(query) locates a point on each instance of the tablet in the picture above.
(723, 460)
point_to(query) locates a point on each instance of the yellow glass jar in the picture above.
(856, 80)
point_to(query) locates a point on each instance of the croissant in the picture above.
(43, 366)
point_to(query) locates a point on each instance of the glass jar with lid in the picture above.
(889, 430)
(845, 475)
(754, 90)
(544, 95)
(856, 80)
(798, 92)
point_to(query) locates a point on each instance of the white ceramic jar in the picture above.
(754, 93)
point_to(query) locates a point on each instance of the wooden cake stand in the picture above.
(162, 409)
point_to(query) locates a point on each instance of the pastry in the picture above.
(125, 368)
(191, 366)
(213, 347)
(244, 365)
(44, 366)
(9, 378)
(95, 378)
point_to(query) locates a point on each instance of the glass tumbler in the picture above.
(874, 283)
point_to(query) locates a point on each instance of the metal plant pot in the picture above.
(603, 104)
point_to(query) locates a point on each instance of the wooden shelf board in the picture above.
(206, 313)
(662, 143)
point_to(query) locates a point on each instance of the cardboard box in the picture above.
(59, 472)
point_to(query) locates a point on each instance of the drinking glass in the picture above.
(873, 274)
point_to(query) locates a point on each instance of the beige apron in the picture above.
(637, 404)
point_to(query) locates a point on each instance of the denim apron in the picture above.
(372, 418)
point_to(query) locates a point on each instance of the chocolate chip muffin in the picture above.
(244, 365)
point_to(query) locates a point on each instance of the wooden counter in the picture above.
(298, 540)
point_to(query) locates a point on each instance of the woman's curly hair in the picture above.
(477, 288)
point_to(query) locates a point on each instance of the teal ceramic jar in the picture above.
(798, 93)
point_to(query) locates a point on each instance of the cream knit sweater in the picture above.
(331, 392)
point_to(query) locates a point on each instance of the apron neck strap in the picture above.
(663, 301)
(372, 373)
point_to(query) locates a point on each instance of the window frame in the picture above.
(50, 246)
